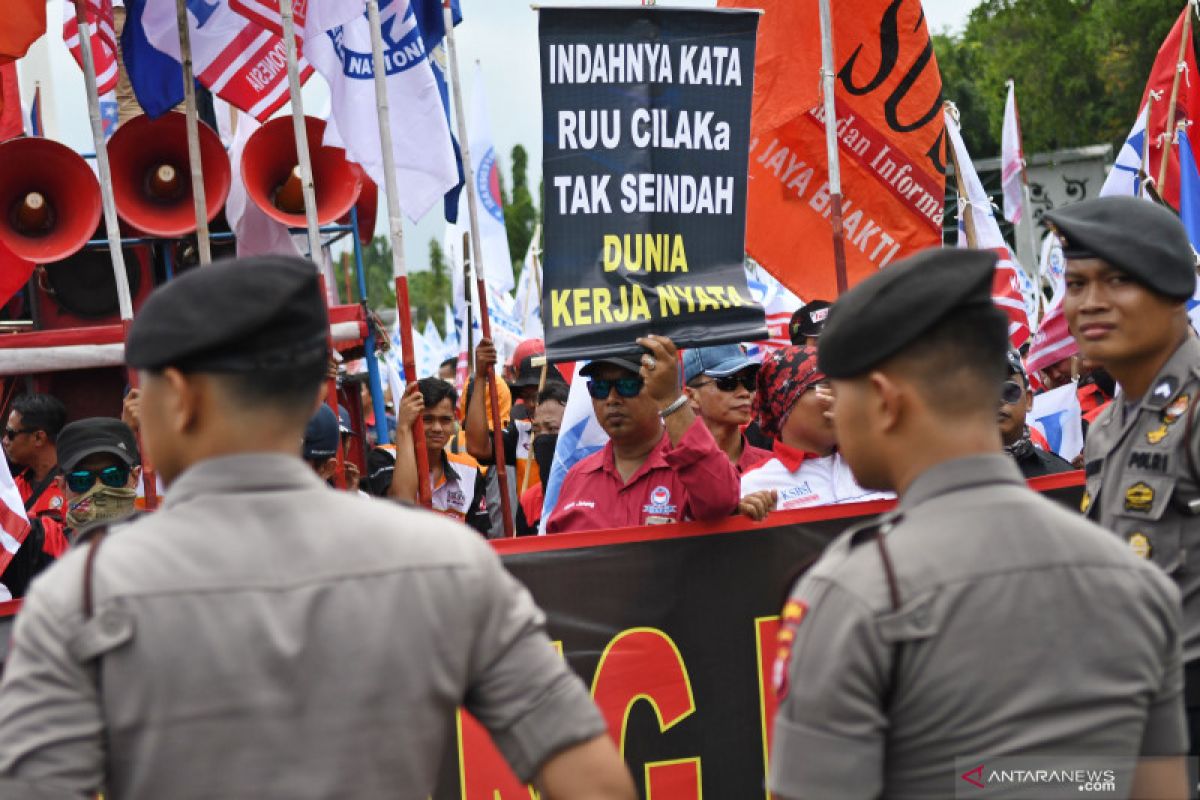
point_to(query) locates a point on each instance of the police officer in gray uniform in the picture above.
(264, 636)
(978, 620)
(1129, 273)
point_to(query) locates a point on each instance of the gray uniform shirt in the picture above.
(264, 636)
(1139, 482)
(1022, 629)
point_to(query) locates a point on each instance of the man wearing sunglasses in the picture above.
(29, 444)
(260, 635)
(660, 465)
(720, 387)
(1032, 457)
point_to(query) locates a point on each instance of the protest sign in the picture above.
(646, 126)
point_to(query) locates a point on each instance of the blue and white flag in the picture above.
(1057, 415)
(451, 337)
(1124, 179)
(485, 170)
(432, 23)
(424, 154)
(1189, 212)
(156, 78)
(108, 114)
(579, 436)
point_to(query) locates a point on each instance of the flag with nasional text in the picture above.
(890, 137)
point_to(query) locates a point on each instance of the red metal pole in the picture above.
(424, 491)
(497, 435)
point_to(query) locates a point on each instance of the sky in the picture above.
(500, 34)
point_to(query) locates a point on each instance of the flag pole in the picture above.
(1144, 172)
(193, 132)
(396, 230)
(304, 164)
(1026, 206)
(1185, 42)
(478, 265)
(831, 147)
(964, 200)
(112, 225)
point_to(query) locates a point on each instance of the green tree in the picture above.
(429, 290)
(1080, 67)
(377, 264)
(521, 214)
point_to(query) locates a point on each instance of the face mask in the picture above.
(100, 504)
(543, 454)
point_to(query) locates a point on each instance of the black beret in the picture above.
(1139, 237)
(237, 315)
(87, 437)
(891, 309)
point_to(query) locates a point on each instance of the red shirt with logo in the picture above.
(692, 480)
(751, 457)
(50, 501)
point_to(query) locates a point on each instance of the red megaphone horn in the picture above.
(152, 176)
(49, 199)
(270, 172)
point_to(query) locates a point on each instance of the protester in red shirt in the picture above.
(720, 386)
(33, 426)
(660, 465)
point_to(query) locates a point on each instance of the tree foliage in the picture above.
(521, 213)
(1080, 67)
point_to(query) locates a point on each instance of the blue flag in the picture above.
(1189, 210)
(156, 78)
(432, 24)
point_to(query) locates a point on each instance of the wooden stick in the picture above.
(484, 320)
(1185, 42)
(396, 230)
(300, 129)
(112, 225)
(964, 199)
(193, 132)
(831, 147)
(1144, 171)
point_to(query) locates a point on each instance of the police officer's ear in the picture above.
(181, 396)
(887, 398)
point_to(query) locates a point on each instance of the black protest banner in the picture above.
(646, 130)
(684, 618)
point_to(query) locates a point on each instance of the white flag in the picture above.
(421, 145)
(1057, 415)
(1008, 291)
(451, 339)
(1124, 179)
(579, 436)
(14, 524)
(257, 234)
(485, 170)
(1012, 158)
(529, 298)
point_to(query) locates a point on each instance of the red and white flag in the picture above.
(238, 60)
(1012, 158)
(14, 525)
(1052, 343)
(104, 40)
(1007, 290)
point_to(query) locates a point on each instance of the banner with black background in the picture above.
(673, 628)
(646, 128)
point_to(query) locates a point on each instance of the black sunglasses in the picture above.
(730, 383)
(80, 480)
(1011, 392)
(626, 387)
(11, 433)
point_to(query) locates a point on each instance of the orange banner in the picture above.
(890, 133)
(24, 21)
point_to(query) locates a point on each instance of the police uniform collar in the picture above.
(958, 474)
(243, 472)
(1170, 380)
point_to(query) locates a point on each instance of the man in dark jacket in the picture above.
(1015, 402)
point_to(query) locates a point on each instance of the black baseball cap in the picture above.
(87, 437)
(530, 375)
(809, 320)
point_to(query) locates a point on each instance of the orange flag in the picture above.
(23, 23)
(891, 140)
(12, 122)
